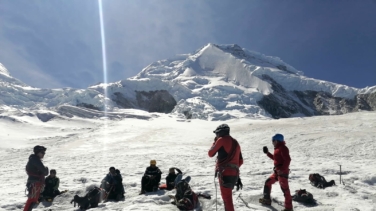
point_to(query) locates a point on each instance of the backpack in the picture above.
(185, 198)
(90, 200)
(319, 181)
(303, 196)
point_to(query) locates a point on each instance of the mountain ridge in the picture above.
(216, 82)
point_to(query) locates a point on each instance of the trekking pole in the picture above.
(107, 194)
(216, 202)
(340, 174)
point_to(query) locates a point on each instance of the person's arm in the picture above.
(270, 155)
(57, 184)
(215, 147)
(286, 158)
(178, 170)
(39, 165)
(240, 159)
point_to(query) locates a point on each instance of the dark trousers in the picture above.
(148, 183)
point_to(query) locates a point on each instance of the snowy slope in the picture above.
(82, 150)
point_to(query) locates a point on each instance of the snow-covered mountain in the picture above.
(217, 82)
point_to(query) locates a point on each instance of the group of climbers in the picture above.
(229, 160)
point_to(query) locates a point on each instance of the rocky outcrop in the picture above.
(152, 101)
(156, 101)
(284, 104)
(121, 101)
(87, 105)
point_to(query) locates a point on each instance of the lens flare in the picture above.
(104, 57)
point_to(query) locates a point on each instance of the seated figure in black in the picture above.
(113, 185)
(170, 179)
(151, 179)
(51, 189)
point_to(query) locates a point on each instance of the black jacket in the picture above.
(170, 179)
(154, 171)
(35, 169)
(52, 183)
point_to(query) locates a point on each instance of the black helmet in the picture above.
(222, 127)
(222, 130)
(37, 149)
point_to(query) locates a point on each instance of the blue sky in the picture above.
(57, 43)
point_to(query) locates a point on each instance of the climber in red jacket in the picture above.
(282, 161)
(229, 159)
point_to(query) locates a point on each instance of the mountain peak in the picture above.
(4, 70)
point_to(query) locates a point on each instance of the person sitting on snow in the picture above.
(170, 179)
(152, 177)
(113, 184)
(51, 189)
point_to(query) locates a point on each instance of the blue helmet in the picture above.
(278, 137)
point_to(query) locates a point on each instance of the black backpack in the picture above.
(319, 181)
(90, 200)
(185, 198)
(303, 196)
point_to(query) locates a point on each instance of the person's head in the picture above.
(153, 163)
(39, 151)
(222, 130)
(112, 170)
(171, 171)
(52, 172)
(277, 138)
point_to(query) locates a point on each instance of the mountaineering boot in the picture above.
(287, 209)
(265, 201)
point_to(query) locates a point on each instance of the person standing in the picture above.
(229, 159)
(36, 172)
(281, 158)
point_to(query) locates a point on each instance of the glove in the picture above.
(265, 149)
(239, 184)
(215, 139)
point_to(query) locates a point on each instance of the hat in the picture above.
(153, 162)
(52, 171)
(112, 168)
(37, 149)
(278, 137)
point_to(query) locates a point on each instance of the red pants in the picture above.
(227, 198)
(34, 191)
(283, 182)
(227, 179)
